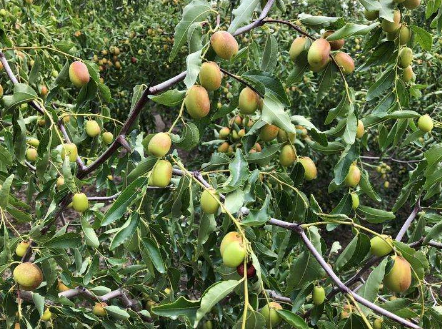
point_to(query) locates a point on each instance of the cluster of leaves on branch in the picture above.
(104, 222)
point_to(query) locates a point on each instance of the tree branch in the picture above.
(409, 220)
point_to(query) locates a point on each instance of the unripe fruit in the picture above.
(387, 184)
(208, 202)
(159, 145)
(248, 101)
(33, 142)
(208, 325)
(345, 62)
(234, 254)
(425, 123)
(210, 76)
(354, 200)
(335, 44)
(377, 324)
(60, 181)
(80, 202)
(283, 136)
(270, 315)
(318, 295)
(241, 133)
(228, 239)
(28, 276)
(79, 74)
(360, 129)
(92, 128)
(371, 15)
(287, 156)
(99, 309)
(224, 133)
(1, 91)
(69, 150)
(31, 154)
(381, 246)
(412, 4)
(197, 102)
(21, 248)
(224, 44)
(268, 133)
(223, 148)
(251, 271)
(62, 287)
(404, 35)
(346, 312)
(353, 177)
(388, 26)
(407, 74)
(405, 57)
(107, 137)
(161, 174)
(318, 54)
(297, 47)
(399, 277)
(43, 90)
(47, 315)
(310, 171)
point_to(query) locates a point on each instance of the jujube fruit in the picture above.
(210, 76)
(1, 91)
(335, 44)
(107, 137)
(353, 177)
(197, 102)
(318, 54)
(425, 123)
(161, 174)
(224, 44)
(371, 15)
(79, 74)
(251, 271)
(287, 156)
(346, 312)
(159, 145)
(354, 200)
(377, 324)
(92, 128)
(234, 254)
(297, 47)
(310, 171)
(33, 142)
(69, 150)
(283, 136)
(412, 4)
(47, 315)
(345, 62)
(228, 239)
(21, 248)
(381, 246)
(270, 315)
(405, 57)
(404, 35)
(62, 287)
(399, 277)
(268, 132)
(318, 295)
(248, 101)
(209, 203)
(43, 90)
(407, 74)
(99, 309)
(224, 133)
(360, 130)
(208, 325)
(80, 202)
(223, 148)
(388, 26)
(28, 276)
(31, 154)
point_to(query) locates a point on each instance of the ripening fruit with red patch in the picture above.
(80, 202)
(210, 76)
(318, 54)
(228, 239)
(31, 154)
(297, 47)
(248, 101)
(270, 315)
(79, 74)
(161, 174)
(268, 133)
(407, 74)
(223, 148)
(310, 171)
(399, 277)
(209, 203)
(197, 102)
(251, 271)
(28, 276)
(335, 44)
(345, 62)
(44, 90)
(287, 156)
(224, 44)
(353, 177)
(159, 145)
(425, 123)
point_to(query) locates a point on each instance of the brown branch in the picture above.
(241, 81)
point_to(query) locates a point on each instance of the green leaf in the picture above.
(213, 295)
(269, 58)
(258, 217)
(350, 127)
(267, 84)
(273, 113)
(22, 94)
(326, 82)
(4, 191)
(143, 167)
(371, 4)
(125, 232)
(239, 172)
(423, 37)
(154, 254)
(351, 29)
(293, 319)
(190, 137)
(194, 38)
(193, 63)
(382, 84)
(243, 14)
(367, 188)
(180, 307)
(64, 241)
(89, 233)
(316, 21)
(19, 215)
(264, 157)
(117, 312)
(169, 98)
(376, 216)
(354, 253)
(417, 259)
(254, 320)
(39, 302)
(92, 270)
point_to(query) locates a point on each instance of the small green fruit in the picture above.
(412, 4)
(69, 150)
(208, 325)
(107, 137)
(388, 26)
(381, 246)
(80, 202)
(234, 254)
(21, 248)
(360, 130)
(92, 128)
(404, 35)
(405, 57)
(297, 47)
(99, 309)
(159, 145)
(31, 154)
(310, 171)
(161, 174)
(209, 203)
(283, 136)
(425, 123)
(371, 15)
(407, 74)
(377, 324)
(33, 142)
(47, 315)
(28, 276)
(271, 315)
(318, 295)
(354, 200)
(287, 156)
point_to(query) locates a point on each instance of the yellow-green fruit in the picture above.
(21, 248)
(399, 277)
(228, 239)
(62, 287)
(47, 315)
(388, 26)
(346, 312)
(271, 315)
(318, 295)
(31, 154)
(377, 324)
(425, 123)
(79, 74)
(268, 133)
(241, 133)
(234, 254)
(224, 133)
(92, 128)
(80, 202)
(371, 15)
(404, 35)
(407, 74)
(353, 177)
(412, 4)
(354, 200)
(297, 47)
(1, 91)
(287, 156)
(208, 202)
(405, 57)
(33, 142)
(335, 44)
(381, 246)
(223, 148)
(235, 135)
(248, 101)
(159, 145)
(318, 54)
(69, 150)
(28, 276)
(224, 44)
(210, 76)
(161, 174)
(99, 309)
(208, 325)
(283, 136)
(360, 130)
(310, 171)
(345, 62)
(107, 137)
(197, 102)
